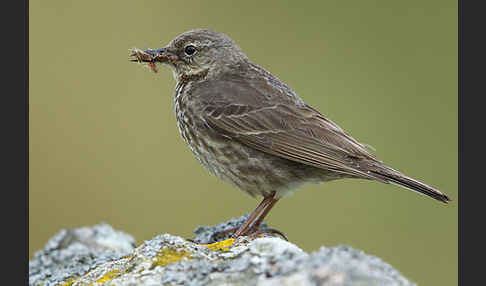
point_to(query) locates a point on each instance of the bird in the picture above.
(250, 129)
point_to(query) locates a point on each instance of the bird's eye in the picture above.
(190, 50)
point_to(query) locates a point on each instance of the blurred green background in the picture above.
(104, 145)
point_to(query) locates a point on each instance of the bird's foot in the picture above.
(230, 234)
(271, 231)
(253, 232)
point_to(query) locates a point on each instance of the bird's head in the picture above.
(193, 53)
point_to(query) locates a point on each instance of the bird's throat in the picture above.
(192, 76)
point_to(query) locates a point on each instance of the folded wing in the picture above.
(297, 133)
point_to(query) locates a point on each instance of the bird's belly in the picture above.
(252, 171)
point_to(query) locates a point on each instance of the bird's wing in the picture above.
(295, 132)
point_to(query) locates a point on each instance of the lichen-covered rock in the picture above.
(86, 259)
(72, 253)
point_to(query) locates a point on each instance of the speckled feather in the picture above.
(251, 129)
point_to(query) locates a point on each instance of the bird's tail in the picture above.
(389, 175)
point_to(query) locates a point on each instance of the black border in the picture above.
(14, 139)
(471, 63)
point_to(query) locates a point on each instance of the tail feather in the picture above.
(391, 176)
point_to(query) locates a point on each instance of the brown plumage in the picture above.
(250, 129)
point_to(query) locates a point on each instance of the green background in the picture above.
(104, 145)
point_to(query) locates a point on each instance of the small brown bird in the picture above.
(250, 129)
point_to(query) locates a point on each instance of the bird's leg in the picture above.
(255, 226)
(243, 229)
(265, 212)
(252, 224)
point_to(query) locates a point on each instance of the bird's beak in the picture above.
(161, 55)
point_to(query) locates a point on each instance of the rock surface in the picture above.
(99, 255)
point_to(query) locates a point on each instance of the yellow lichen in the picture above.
(68, 283)
(167, 256)
(108, 276)
(223, 245)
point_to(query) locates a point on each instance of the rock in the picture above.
(72, 253)
(99, 255)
